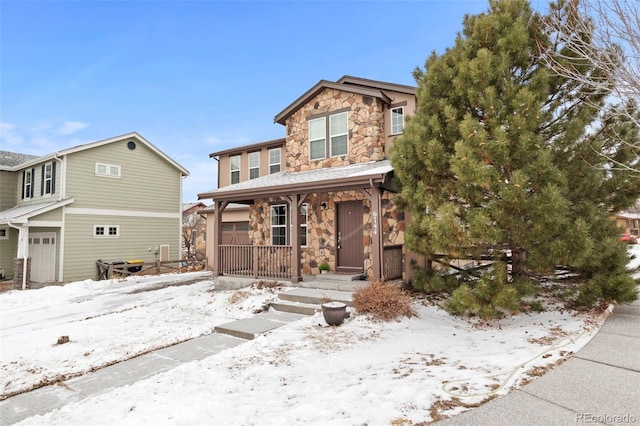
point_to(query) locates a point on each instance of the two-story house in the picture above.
(114, 199)
(322, 194)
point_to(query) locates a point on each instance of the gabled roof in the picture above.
(78, 148)
(325, 179)
(350, 84)
(9, 159)
(22, 214)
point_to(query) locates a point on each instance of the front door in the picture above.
(349, 236)
(42, 250)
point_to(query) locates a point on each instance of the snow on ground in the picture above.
(107, 322)
(306, 372)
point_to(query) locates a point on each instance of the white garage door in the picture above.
(42, 250)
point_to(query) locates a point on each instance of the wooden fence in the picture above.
(392, 262)
(108, 270)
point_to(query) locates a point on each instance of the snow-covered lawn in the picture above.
(306, 372)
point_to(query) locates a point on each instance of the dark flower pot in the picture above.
(334, 312)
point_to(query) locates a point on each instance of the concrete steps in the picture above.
(291, 305)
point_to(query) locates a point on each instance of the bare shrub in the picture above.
(383, 301)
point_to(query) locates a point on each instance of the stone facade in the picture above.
(366, 130)
(321, 226)
(18, 269)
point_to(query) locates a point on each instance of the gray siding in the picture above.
(8, 250)
(8, 183)
(148, 182)
(137, 235)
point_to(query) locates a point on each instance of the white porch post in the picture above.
(23, 249)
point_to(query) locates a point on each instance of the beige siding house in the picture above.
(115, 200)
(331, 198)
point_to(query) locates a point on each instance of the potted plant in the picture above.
(324, 267)
(334, 313)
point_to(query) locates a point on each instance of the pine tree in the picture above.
(502, 156)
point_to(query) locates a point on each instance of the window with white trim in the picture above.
(337, 127)
(303, 224)
(254, 165)
(234, 164)
(108, 170)
(106, 231)
(47, 179)
(27, 183)
(338, 130)
(279, 225)
(274, 160)
(397, 120)
(4, 233)
(317, 138)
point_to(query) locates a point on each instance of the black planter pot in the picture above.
(334, 312)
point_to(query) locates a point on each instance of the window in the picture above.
(338, 129)
(27, 183)
(47, 184)
(107, 170)
(4, 234)
(303, 224)
(106, 231)
(279, 225)
(274, 160)
(234, 162)
(317, 138)
(254, 165)
(397, 120)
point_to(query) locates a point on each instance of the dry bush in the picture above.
(383, 301)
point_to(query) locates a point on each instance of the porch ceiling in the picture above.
(342, 178)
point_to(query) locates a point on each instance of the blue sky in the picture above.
(194, 77)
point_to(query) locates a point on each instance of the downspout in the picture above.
(24, 250)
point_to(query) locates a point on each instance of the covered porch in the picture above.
(322, 232)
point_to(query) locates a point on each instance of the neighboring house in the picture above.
(194, 232)
(629, 220)
(324, 193)
(114, 200)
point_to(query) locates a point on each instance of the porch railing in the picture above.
(256, 261)
(392, 262)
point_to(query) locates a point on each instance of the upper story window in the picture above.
(338, 129)
(108, 170)
(317, 138)
(47, 186)
(234, 162)
(27, 183)
(397, 120)
(274, 160)
(254, 165)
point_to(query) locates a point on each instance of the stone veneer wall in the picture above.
(366, 130)
(321, 224)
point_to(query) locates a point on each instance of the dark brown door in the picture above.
(349, 236)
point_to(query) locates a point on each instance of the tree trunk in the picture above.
(518, 262)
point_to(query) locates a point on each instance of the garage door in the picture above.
(235, 233)
(42, 250)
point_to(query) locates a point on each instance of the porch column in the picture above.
(294, 207)
(375, 198)
(22, 255)
(217, 235)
